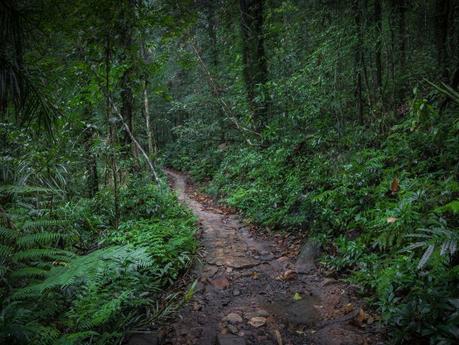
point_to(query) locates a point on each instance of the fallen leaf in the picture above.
(289, 275)
(278, 337)
(257, 321)
(297, 296)
(348, 308)
(362, 317)
(395, 185)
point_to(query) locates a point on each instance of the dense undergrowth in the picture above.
(72, 278)
(298, 113)
(384, 206)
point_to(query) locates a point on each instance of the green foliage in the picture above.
(342, 152)
(96, 294)
(384, 206)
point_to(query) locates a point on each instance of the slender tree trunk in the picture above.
(127, 98)
(254, 59)
(146, 110)
(211, 31)
(213, 64)
(91, 162)
(442, 9)
(402, 44)
(127, 101)
(358, 61)
(393, 53)
(378, 63)
(112, 132)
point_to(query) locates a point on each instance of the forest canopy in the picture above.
(336, 120)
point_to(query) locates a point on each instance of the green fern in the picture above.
(44, 223)
(17, 189)
(42, 253)
(41, 239)
(86, 268)
(29, 272)
(7, 234)
(5, 252)
(75, 338)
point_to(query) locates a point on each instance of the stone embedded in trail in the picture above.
(240, 262)
(210, 271)
(220, 282)
(305, 261)
(257, 321)
(227, 339)
(233, 329)
(233, 318)
(256, 313)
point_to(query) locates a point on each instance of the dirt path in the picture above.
(253, 291)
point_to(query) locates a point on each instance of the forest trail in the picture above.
(254, 290)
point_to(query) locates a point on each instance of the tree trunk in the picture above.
(211, 31)
(127, 98)
(146, 111)
(402, 32)
(127, 101)
(358, 60)
(442, 9)
(254, 59)
(91, 162)
(111, 132)
(378, 63)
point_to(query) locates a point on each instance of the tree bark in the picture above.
(127, 98)
(146, 111)
(401, 6)
(211, 31)
(91, 162)
(442, 9)
(254, 59)
(112, 132)
(358, 60)
(378, 46)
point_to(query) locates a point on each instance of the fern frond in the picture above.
(105, 311)
(38, 253)
(44, 223)
(75, 338)
(86, 268)
(5, 252)
(29, 272)
(425, 257)
(40, 238)
(7, 234)
(25, 189)
(3, 270)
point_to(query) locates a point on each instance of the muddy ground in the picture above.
(260, 289)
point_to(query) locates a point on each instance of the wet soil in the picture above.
(250, 291)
